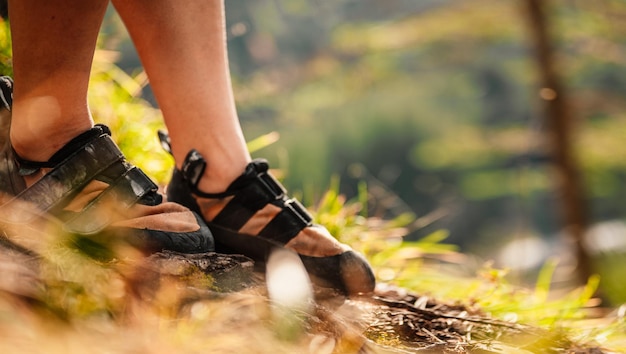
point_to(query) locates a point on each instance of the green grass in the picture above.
(116, 306)
(430, 266)
(90, 303)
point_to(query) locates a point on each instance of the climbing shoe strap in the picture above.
(58, 187)
(248, 194)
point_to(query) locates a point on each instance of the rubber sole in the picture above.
(347, 272)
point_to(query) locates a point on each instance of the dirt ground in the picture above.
(391, 320)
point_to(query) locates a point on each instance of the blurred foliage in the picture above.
(5, 49)
(121, 305)
(437, 100)
(115, 100)
(436, 269)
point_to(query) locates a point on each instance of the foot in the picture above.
(254, 215)
(93, 191)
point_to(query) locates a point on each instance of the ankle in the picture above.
(37, 139)
(44, 122)
(40, 146)
(217, 178)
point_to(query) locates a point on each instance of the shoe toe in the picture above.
(347, 272)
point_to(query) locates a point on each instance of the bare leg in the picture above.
(183, 49)
(53, 45)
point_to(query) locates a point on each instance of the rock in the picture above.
(219, 272)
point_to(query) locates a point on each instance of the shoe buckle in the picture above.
(298, 210)
(272, 185)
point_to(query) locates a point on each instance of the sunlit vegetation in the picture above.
(427, 120)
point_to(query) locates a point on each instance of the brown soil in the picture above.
(391, 320)
(391, 317)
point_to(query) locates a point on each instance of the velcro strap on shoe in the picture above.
(121, 195)
(259, 192)
(59, 185)
(288, 223)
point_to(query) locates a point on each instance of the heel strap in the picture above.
(251, 192)
(28, 167)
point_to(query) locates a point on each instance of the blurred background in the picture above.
(438, 106)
